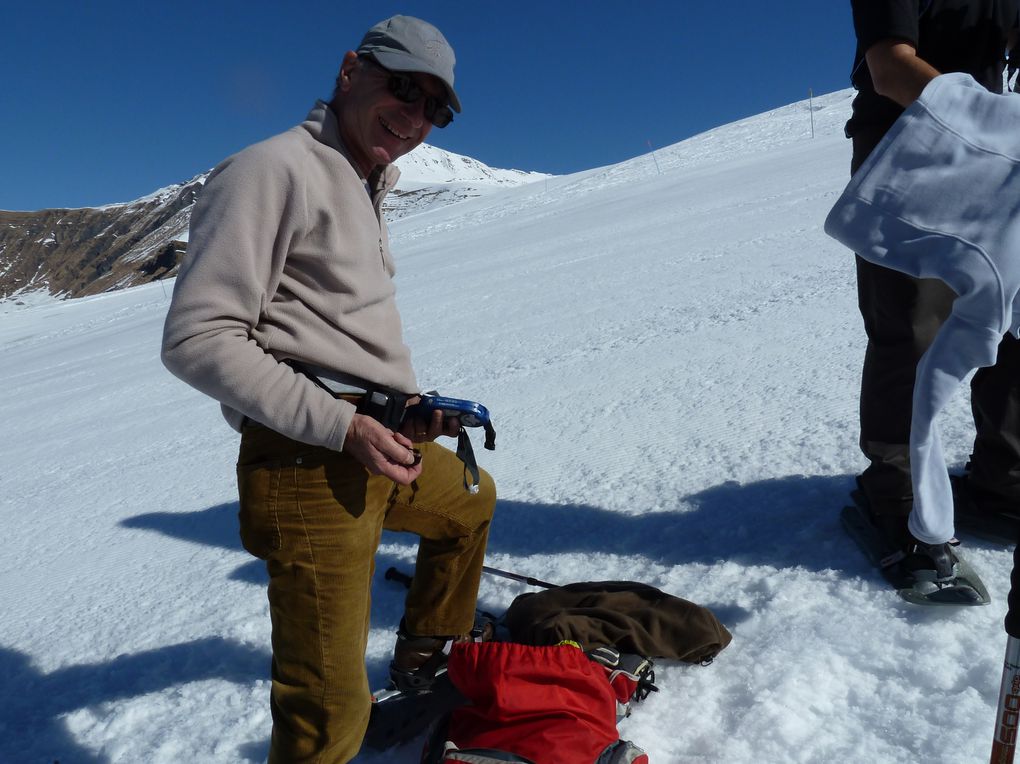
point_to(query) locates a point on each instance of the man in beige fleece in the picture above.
(284, 312)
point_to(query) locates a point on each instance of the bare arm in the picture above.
(1012, 59)
(897, 72)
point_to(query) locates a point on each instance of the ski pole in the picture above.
(517, 577)
(1008, 711)
(392, 574)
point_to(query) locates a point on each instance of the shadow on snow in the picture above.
(782, 523)
(33, 701)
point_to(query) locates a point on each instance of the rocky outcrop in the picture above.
(71, 253)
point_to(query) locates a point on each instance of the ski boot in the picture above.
(417, 661)
(420, 692)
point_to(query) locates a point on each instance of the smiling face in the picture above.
(375, 125)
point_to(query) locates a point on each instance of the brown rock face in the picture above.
(72, 253)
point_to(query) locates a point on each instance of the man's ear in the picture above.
(347, 68)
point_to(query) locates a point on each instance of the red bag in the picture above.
(544, 705)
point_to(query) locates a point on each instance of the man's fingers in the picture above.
(396, 448)
(435, 425)
(451, 427)
(383, 452)
(405, 474)
(403, 470)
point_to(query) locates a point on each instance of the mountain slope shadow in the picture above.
(791, 521)
(781, 522)
(217, 527)
(34, 701)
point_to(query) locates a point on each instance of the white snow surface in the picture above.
(670, 349)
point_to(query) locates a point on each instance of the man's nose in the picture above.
(414, 111)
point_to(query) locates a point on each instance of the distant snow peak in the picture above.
(431, 177)
(429, 165)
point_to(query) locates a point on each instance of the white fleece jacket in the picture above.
(939, 197)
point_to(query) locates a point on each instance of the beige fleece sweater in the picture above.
(288, 258)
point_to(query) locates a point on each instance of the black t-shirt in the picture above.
(951, 35)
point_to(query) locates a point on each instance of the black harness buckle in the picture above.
(384, 407)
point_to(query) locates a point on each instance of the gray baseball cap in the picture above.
(407, 44)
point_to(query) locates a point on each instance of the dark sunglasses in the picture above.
(405, 89)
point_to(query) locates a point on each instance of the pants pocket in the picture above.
(258, 487)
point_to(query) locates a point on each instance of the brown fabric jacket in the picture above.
(633, 617)
(288, 258)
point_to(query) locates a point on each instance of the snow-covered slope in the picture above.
(670, 349)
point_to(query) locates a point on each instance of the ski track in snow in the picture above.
(670, 348)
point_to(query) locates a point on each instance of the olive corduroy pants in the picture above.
(316, 516)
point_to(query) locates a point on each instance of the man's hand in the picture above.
(422, 431)
(897, 72)
(382, 451)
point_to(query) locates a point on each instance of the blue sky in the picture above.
(107, 101)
